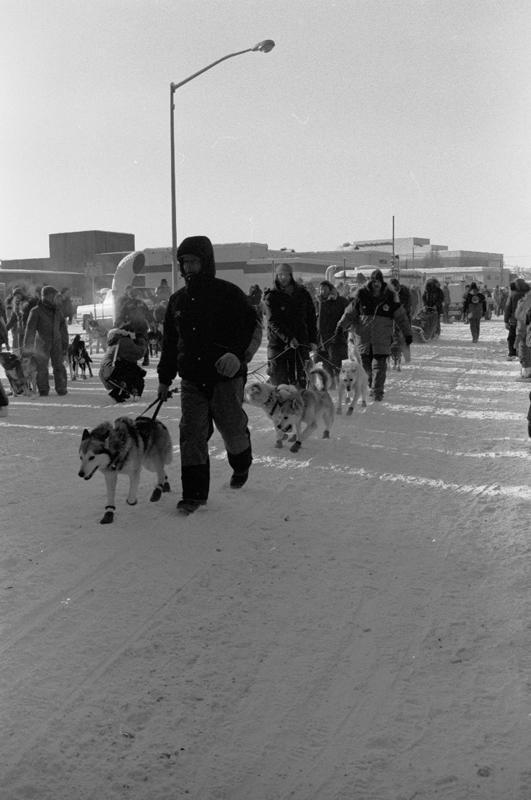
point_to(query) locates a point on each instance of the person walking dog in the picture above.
(211, 333)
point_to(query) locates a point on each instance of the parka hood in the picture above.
(520, 285)
(199, 246)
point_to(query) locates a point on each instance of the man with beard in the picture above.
(371, 316)
(291, 329)
(211, 333)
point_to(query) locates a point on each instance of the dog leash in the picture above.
(158, 402)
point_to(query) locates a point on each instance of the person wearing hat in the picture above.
(291, 329)
(211, 333)
(474, 309)
(15, 322)
(332, 345)
(46, 336)
(370, 317)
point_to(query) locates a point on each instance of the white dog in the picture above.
(353, 384)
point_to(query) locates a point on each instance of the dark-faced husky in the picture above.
(78, 358)
(290, 408)
(125, 447)
(21, 372)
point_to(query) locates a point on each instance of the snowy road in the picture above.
(355, 624)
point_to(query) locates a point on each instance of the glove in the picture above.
(228, 365)
(294, 343)
(163, 392)
(313, 347)
(408, 340)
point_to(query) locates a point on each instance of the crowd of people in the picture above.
(209, 330)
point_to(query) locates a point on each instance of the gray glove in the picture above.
(228, 365)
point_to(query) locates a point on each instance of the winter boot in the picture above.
(196, 483)
(240, 463)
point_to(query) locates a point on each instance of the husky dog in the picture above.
(396, 354)
(21, 372)
(353, 384)
(269, 397)
(290, 407)
(78, 358)
(126, 446)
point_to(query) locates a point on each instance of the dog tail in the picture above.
(320, 379)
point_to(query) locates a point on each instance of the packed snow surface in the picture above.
(353, 624)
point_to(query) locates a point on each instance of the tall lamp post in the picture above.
(262, 47)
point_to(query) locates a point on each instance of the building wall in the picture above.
(72, 250)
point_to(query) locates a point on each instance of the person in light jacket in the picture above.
(370, 317)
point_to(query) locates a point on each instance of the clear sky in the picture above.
(365, 109)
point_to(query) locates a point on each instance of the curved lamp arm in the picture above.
(263, 47)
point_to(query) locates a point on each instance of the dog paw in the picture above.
(350, 411)
(326, 434)
(131, 502)
(364, 403)
(278, 444)
(156, 494)
(107, 518)
(166, 487)
(295, 447)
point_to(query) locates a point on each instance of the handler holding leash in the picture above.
(211, 333)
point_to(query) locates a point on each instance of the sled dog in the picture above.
(353, 384)
(289, 408)
(78, 358)
(21, 372)
(126, 446)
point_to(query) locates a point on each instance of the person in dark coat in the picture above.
(518, 290)
(255, 298)
(332, 344)
(137, 315)
(291, 329)
(46, 336)
(371, 316)
(30, 303)
(15, 322)
(433, 297)
(119, 371)
(474, 309)
(64, 301)
(211, 333)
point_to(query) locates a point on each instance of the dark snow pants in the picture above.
(332, 355)
(201, 408)
(289, 367)
(43, 358)
(376, 369)
(474, 327)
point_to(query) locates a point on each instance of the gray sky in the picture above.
(364, 110)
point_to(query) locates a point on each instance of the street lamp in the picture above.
(262, 47)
